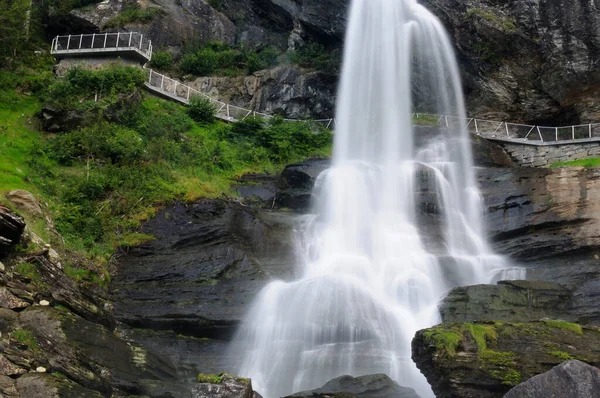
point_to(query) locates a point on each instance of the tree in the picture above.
(14, 25)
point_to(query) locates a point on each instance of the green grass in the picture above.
(564, 356)
(588, 163)
(212, 378)
(30, 271)
(569, 326)
(482, 334)
(444, 340)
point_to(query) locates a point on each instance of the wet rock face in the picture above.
(485, 360)
(185, 292)
(370, 386)
(573, 379)
(534, 213)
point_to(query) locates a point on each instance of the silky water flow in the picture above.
(373, 266)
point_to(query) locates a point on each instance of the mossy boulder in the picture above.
(515, 301)
(222, 385)
(487, 359)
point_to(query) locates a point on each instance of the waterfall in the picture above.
(371, 275)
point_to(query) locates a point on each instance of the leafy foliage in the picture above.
(216, 57)
(201, 109)
(162, 60)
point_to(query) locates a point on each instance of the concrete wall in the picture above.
(545, 155)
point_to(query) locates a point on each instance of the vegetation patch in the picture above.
(564, 356)
(134, 14)
(509, 377)
(316, 56)
(30, 271)
(506, 24)
(589, 162)
(26, 338)
(569, 326)
(425, 119)
(212, 378)
(162, 60)
(446, 341)
(482, 334)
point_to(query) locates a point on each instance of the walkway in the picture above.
(134, 44)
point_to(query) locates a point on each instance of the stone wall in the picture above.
(546, 155)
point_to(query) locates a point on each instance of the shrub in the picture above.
(201, 109)
(161, 60)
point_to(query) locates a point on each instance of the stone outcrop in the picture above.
(574, 379)
(25, 201)
(485, 360)
(285, 90)
(227, 387)
(369, 386)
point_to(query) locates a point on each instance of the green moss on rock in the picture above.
(446, 341)
(570, 326)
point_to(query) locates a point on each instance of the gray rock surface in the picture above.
(573, 379)
(370, 386)
(11, 229)
(229, 387)
(514, 301)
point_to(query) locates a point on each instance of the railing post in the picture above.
(175, 90)
(227, 110)
(130, 37)
(573, 131)
(80, 40)
(188, 94)
(476, 127)
(556, 132)
(540, 133)
(507, 133)
(68, 42)
(590, 130)
(446, 117)
(162, 82)
(141, 39)
(117, 45)
(105, 37)
(150, 78)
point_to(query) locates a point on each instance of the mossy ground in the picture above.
(213, 378)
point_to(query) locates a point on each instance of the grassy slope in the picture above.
(48, 180)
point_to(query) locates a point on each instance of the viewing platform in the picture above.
(129, 44)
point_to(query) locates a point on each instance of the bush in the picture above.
(162, 60)
(201, 110)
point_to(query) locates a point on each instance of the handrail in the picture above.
(124, 41)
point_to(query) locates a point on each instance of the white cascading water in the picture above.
(372, 276)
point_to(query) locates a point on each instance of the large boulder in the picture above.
(485, 360)
(370, 386)
(514, 301)
(25, 201)
(573, 379)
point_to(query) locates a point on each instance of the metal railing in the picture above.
(515, 131)
(102, 42)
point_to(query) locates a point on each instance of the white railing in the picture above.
(102, 42)
(515, 131)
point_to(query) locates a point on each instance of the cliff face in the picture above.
(534, 61)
